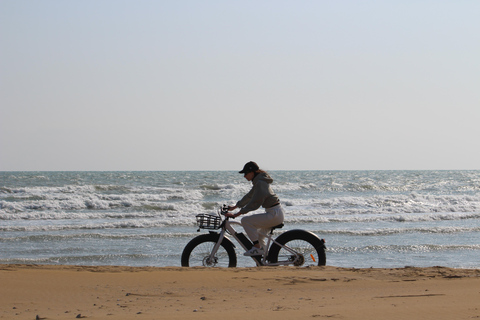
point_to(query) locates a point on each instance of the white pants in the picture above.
(263, 222)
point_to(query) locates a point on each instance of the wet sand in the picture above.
(76, 292)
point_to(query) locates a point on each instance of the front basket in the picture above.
(208, 221)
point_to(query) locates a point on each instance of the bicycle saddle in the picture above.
(280, 226)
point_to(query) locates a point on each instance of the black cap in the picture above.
(249, 167)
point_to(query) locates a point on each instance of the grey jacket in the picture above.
(260, 195)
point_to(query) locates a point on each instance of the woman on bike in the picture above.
(261, 194)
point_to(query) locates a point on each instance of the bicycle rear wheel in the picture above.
(197, 252)
(308, 245)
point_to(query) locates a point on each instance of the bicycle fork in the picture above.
(212, 259)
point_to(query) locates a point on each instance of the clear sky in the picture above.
(210, 85)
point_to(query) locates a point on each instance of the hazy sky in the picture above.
(210, 85)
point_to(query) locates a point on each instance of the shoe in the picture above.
(254, 252)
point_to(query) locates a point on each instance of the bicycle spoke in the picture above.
(201, 253)
(310, 255)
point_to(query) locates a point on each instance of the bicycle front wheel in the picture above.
(310, 248)
(197, 253)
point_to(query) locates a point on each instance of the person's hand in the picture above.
(230, 208)
(231, 215)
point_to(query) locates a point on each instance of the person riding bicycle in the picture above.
(261, 194)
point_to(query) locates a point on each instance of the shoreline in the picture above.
(118, 292)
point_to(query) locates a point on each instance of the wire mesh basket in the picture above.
(208, 221)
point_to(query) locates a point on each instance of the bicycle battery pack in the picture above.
(244, 240)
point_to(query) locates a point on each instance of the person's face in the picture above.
(249, 176)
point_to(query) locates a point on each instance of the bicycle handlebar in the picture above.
(223, 210)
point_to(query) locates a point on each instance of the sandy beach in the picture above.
(75, 292)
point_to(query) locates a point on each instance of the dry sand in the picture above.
(73, 292)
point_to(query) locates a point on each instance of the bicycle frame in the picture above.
(227, 226)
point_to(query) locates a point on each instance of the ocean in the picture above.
(380, 219)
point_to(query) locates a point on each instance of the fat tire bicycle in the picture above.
(214, 249)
